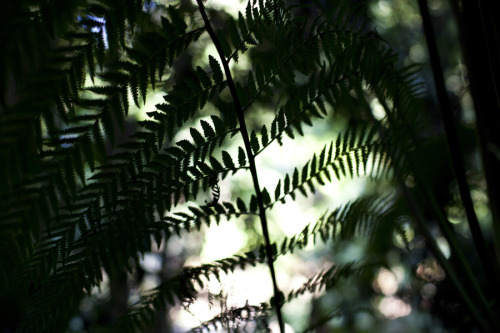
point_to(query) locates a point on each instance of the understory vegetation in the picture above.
(336, 191)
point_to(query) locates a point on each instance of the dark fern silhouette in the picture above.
(75, 203)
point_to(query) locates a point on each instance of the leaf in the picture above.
(313, 165)
(242, 160)
(277, 191)
(305, 172)
(218, 124)
(186, 145)
(226, 48)
(241, 205)
(143, 82)
(215, 164)
(254, 142)
(265, 138)
(228, 162)
(295, 178)
(253, 204)
(134, 89)
(248, 13)
(177, 20)
(208, 131)
(242, 24)
(252, 89)
(205, 168)
(203, 76)
(233, 32)
(216, 69)
(265, 197)
(197, 137)
(286, 185)
(321, 162)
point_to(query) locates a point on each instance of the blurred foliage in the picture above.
(128, 150)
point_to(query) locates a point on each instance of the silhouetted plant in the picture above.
(79, 200)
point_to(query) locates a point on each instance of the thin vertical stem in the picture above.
(457, 162)
(456, 281)
(251, 161)
(448, 233)
(480, 43)
(443, 223)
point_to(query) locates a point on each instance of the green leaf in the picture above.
(241, 205)
(252, 89)
(228, 162)
(203, 76)
(208, 131)
(242, 24)
(254, 142)
(186, 145)
(233, 32)
(242, 160)
(277, 191)
(216, 69)
(205, 168)
(218, 124)
(313, 165)
(265, 197)
(295, 178)
(338, 144)
(265, 138)
(253, 204)
(143, 82)
(215, 164)
(134, 89)
(177, 20)
(248, 13)
(197, 137)
(226, 48)
(286, 184)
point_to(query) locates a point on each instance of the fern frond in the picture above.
(182, 103)
(201, 215)
(340, 157)
(234, 317)
(149, 180)
(75, 205)
(182, 288)
(328, 279)
(361, 218)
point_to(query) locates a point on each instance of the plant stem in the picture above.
(441, 258)
(251, 161)
(479, 39)
(444, 225)
(448, 233)
(457, 162)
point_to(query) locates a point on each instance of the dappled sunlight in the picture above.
(222, 240)
(230, 6)
(430, 270)
(275, 327)
(377, 109)
(393, 307)
(233, 290)
(153, 98)
(151, 262)
(387, 281)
